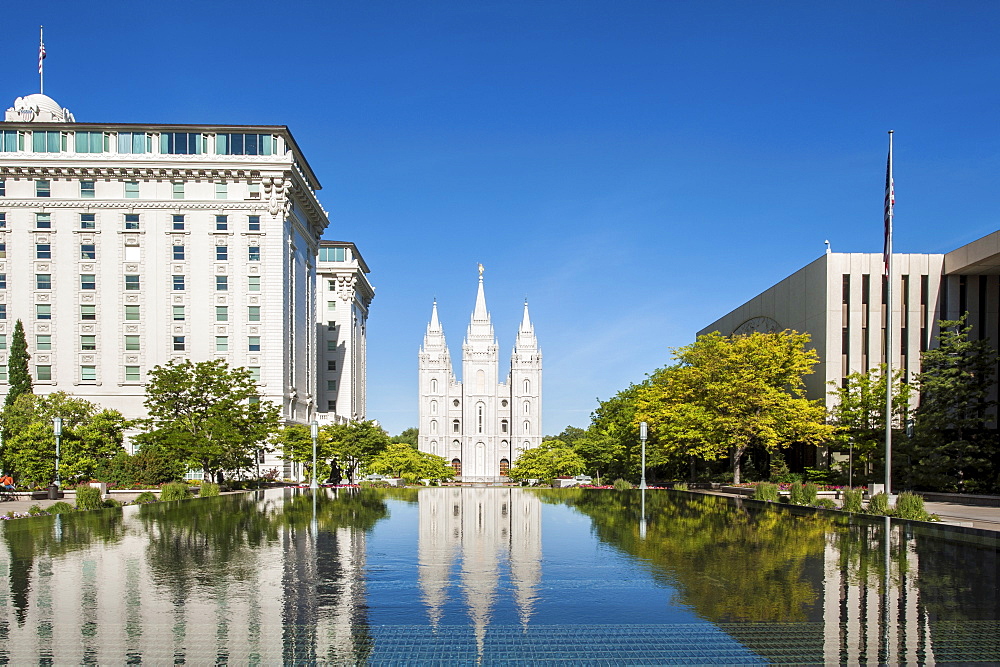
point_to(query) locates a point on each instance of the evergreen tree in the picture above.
(17, 367)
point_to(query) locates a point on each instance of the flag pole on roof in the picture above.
(890, 201)
(41, 57)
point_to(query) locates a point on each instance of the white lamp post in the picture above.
(642, 436)
(314, 432)
(57, 430)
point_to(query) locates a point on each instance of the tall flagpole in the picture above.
(41, 57)
(890, 200)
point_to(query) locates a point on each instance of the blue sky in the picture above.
(635, 169)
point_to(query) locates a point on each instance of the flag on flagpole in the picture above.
(41, 55)
(890, 201)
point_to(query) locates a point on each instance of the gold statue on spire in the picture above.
(480, 269)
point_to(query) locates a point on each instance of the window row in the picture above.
(88, 373)
(130, 190)
(88, 251)
(136, 143)
(456, 426)
(130, 222)
(88, 313)
(88, 281)
(88, 343)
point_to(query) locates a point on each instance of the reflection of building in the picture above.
(480, 529)
(480, 424)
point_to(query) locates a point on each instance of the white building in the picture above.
(125, 246)
(342, 314)
(480, 424)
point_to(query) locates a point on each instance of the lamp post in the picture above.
(642, 436)
(314, 432)
(57, 430)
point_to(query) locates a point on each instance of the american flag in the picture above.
(41, 55)
(890, 201)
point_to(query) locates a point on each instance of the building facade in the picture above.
(126, 246)
(480, 424)
(342, 317)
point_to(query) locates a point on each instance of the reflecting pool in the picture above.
(491, 575)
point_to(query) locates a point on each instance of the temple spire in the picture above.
(435, 324)
(526, 320)
(480, 313)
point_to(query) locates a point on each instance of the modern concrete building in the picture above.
(480, 423)
(125, 246)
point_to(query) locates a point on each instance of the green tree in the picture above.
(954, 448)
(354, 444)
(611, 446)
(859, 414)
(730, 393)
(18, 377)
(208, 414)
(552, 458)
(408, 436)
(400, 460)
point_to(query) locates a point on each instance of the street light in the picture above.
(314, 432)
(57, 430)
(642, 436)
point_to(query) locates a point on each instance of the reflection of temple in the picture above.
(479, 529)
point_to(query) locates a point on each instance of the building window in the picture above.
(88, 343)
(504, 467)
(177, 223)
(43, 189)
(331, 326)
(43, 221)
(331, 365)
(3, 220)
(253, 283)
(331, 345)
(177, 190)
(456, 427)
(88, 373)
(3, 372)
(327, 254)
(43, 251)
(178, 313)
(253, 313)
(3, 281)
(88, 281)
(131, 189)
(503, 425)
(88, 313)
(221, 191)
(43, 311)
(131, 282)
(222, 343)
(48, 142)
(253, 344)
(3, 344)
(43, 342)
(434, 385)
(92, 142)
(434, 426)
(527, 408)
(131, 221)
(253, 253)
(254, 373)
(456, 465)
(221, 253)
(178, 253)
(527, 386)
(88, 221)
(132, 253)
(11, 141)
(181, 143)
(87, 190)
(331, 305)
(331, 385)
(131, 373)
(88, 251)
(253, 223)
(331, 406)
(135, 143)
(178, 282)
(479, 417)
(527, 428)
(131, 343)
(178, 343)
(43, 373)
(222, 313)
(3, 311)
(244, 144)
(131, 313)
(43, 281)
(221, 223)
(3, 251)
(222, 283)
(331, 285)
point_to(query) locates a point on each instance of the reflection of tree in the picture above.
(54, 536)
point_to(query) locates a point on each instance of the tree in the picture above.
(552, 458)
(859, 413)
(729, 393)
(355, 444)
(208, 414)
(18, 377)
(408, 436)
(954, 448)
(611, 446)
(400, 460)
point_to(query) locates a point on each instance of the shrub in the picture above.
(35, 510)
(766, 491)
(111, 502)
(174, 491)
(681, 486)
(410, 478)
(621, 485)
(146, 497)
(60, 507)
(796, 494)
(910, 506)
(878, 505)
(852, 501)
(88, 498)
(809, 493)
(373, 485)
(826, 503)
(208, 490)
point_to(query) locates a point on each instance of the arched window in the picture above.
(434, 426)
(504, 469)
(526, 446)
(456, 427)
(527, 386)
(456, 465)
(480, 409)
(527, 427)
(481, 381)
(503, 425)
(527, 408)
(503, 446)
(434, 407)
(456, 444)
(434, 386)
(503, 404)
(455, 403)
(434, 446)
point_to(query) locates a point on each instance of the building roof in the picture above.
(980, 257)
